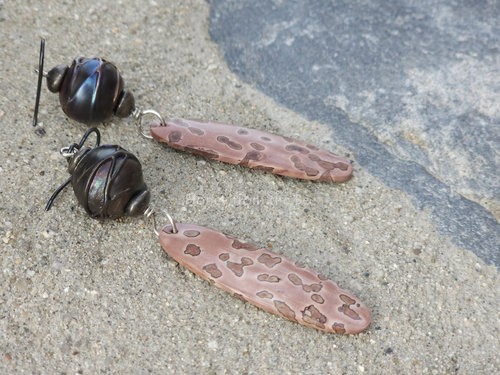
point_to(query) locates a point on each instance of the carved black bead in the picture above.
(108, 182)
(90, 90)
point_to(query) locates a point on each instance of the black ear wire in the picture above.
(70, 151)
(56, 193)
(39, 86)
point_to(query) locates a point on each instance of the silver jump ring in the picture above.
(139, 114)
(44, 74)
(65, 152)
(172, 223)
(150, 213)
(69, 151)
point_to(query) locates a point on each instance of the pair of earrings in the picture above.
(107, 181)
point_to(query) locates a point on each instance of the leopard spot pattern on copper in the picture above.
(250, 157)
(237, 268)
(257, 146)
(224, 256)
(317, 298)
(264, 168)
(311, 171)
(285, 310)
(269, 260)
(296, 148)
(265, 294)
(254, 149)
(213, 270)
(338, 328)
(229, 143)
(346, 307)
(313, 316)
(175, 136)
(237, 244)
(314, 157)
(328, 165)
(297, 162)
(295, 279)
(192, 250)
(312, 287)
(267, 280)
(196, 131)
(288, 139)
(347, 299)
(191, 233)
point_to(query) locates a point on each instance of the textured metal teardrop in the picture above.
(254, 149)
(265, 279)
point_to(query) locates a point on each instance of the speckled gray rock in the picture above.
(411, 88)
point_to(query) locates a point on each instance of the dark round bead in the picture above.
(90, 90)
(55, 77)
(126, 104)
(108, 182)
(138, 203)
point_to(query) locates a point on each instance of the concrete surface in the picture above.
(82, 296)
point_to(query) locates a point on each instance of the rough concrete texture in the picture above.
(83, 296)
(411, 88)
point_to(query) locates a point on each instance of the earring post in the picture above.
(40, 78)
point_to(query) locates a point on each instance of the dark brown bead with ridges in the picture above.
(90, 90)
(108, 182)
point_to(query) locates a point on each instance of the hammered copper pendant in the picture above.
(267, 280)
(254, 149)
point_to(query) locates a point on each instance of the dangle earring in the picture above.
(92, 91)
(108, 183)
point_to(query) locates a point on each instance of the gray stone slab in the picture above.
(411, 88)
